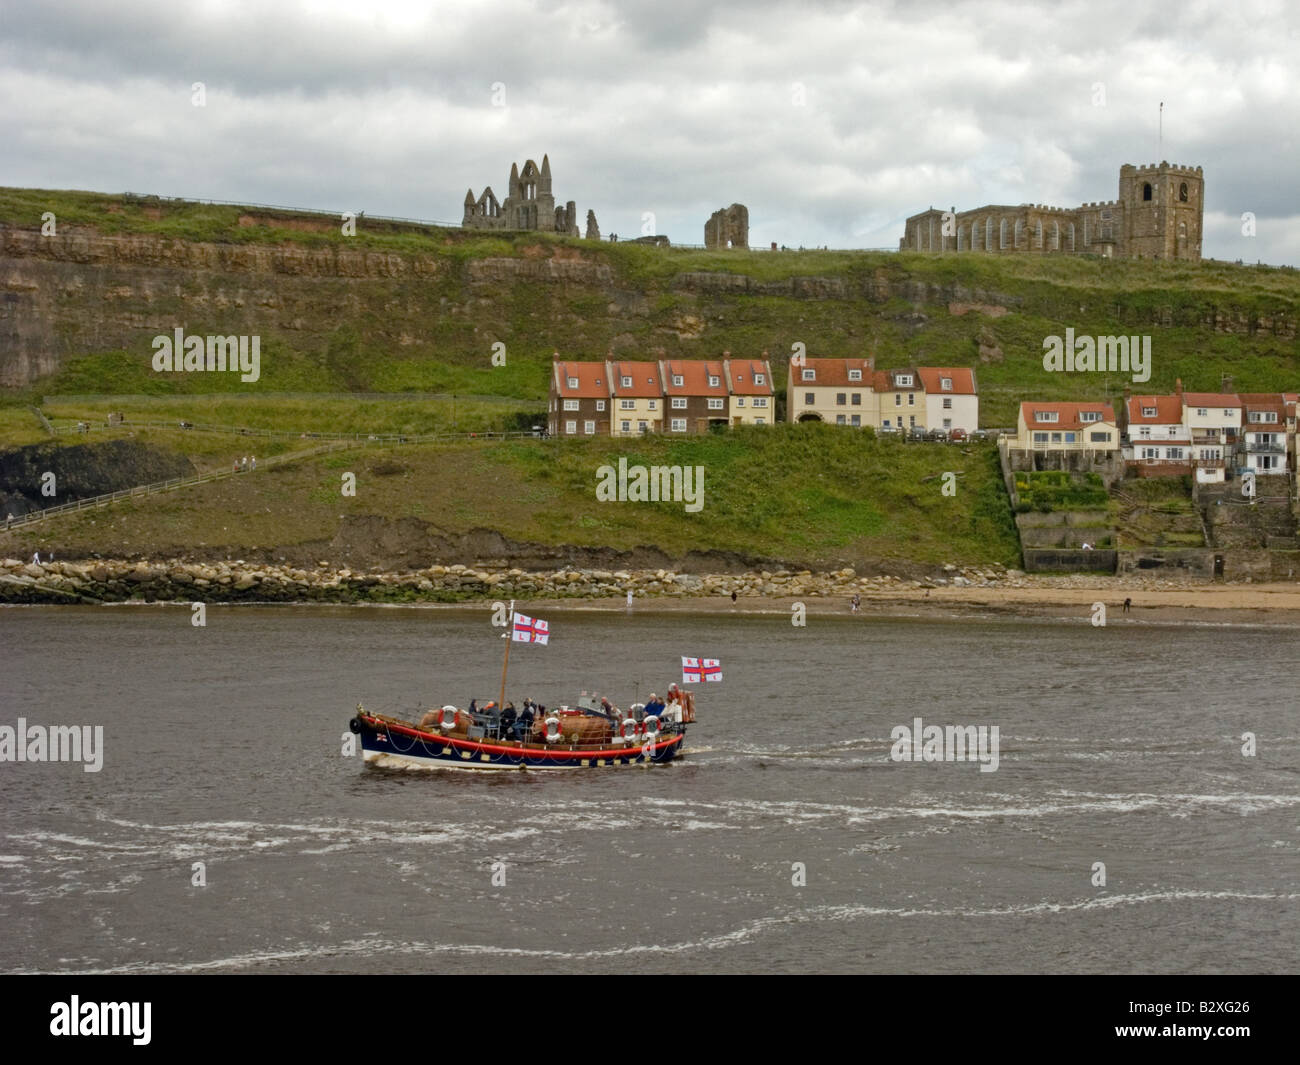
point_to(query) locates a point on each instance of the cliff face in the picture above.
(83, 292)
(81, 471)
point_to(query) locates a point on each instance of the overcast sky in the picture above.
(831, 121)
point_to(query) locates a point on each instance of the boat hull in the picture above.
(387, 743)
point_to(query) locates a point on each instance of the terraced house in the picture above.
(671, 396)
(852, 392)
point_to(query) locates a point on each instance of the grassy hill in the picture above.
(812, 495)
(430, 327)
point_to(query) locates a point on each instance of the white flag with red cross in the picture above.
(530, 630)
(695, 670)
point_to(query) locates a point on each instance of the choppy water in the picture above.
(222, 746)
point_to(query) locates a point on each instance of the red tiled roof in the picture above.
(1211, 399)
(883, 380)
(592, 380)
(740, 377)
(1169, 410)
(645, 379)
(832, 372)
(1067, 414)
(962, 378)
(695, 374)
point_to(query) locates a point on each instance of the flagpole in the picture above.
(510, 638)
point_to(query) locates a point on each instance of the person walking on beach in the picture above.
(629, 598)
(733, 597)
(1127, 603)
(856, 601)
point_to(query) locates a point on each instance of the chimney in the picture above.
(1178, 386)
(1227, 384)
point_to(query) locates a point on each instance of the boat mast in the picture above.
(510, 628)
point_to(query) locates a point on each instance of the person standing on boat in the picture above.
(524, 726)
(508, 718)
(654, 707)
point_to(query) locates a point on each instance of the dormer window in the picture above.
(759, 379)
(945, 383)
(1046, 416)
(678, 380)
(573, 382)
(903, 380)
(626, 382)
(1090, 416)
(810, 375)
(1148, 412)
(855, 375)
(713, 381)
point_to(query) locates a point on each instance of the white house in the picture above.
(1213, 421)
(951, 398)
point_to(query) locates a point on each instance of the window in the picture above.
(760, 379)
(900, 424)
(903, 380)
(760, 401)
(857, 399)
(855, 375)
(1148, 412)
(641, 427)
(947, 402)
(809, 399)
(678, 380)
(760, 421)
(1145, 432)
(1090, 416)
(841, 398)
(945, 384)
(570, 427)
(911, 399)
(1229, 414)
(713, 381)
(1146, 191)
(626, 381)
(627, 404)
(1150, 452)
(1046, 416)
(740, 401)
(573, 382)
(898, 399)
(589, 427)
(809, 375)
(840, 419)
(1212, 453)
(1201, 412)
(679, 425)
(1173, 452)
(679, 402)
(600, 405)
(1056, 438)
(1069, 438)
(652, 404)
(856, 419)
(1040, 438)
(715, 404)
(947, 423)
(570, 404)
(1175, 430)
(1099, 438)
(1262, 416)
(625, 426)
(1182, 192)
(911, 420)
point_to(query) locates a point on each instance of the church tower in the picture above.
(1164, 208)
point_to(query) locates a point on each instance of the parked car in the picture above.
(977, 435)
(939, 435)
(889, 430)
(916, 433)
(957, 436)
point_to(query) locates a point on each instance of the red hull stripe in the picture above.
(532, 752)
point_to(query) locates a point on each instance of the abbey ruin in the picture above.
(728, 228)
(1158, 215)
(529, 204)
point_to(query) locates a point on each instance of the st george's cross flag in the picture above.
(530, 630)
(695, 670)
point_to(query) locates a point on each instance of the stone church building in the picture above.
(529, 204)
(1158, 215)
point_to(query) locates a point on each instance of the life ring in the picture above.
(651, 726)
(553, 733)
(449, 718)
(628, 730)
